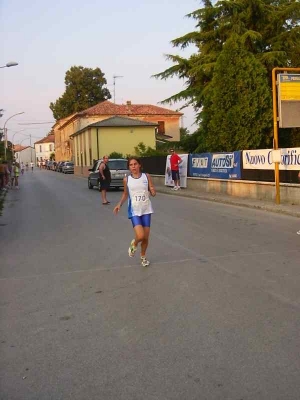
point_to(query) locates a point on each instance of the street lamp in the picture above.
(16, 133)
(5, 132)
(12, 141)
(9, 64)
(24, 140)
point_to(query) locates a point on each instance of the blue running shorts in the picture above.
(144, 220)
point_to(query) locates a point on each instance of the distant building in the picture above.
(44, 148)
(115, 134)
(25, 154)
(167, 121)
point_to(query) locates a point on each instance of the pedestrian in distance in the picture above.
(12, 175)
(31, 165)
(137, 187)
(2, 175)
(105, 179)
(17, 174)
(175, 161)
(7, 171)
(22, 168)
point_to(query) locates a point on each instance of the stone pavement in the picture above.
(287, 209)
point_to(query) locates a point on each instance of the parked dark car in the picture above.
(61, 164)
(118, 169)
(49, 164)
(57, 166)
(68, 168)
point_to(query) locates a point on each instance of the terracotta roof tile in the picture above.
(47, 139)
(109, 108)
(19, 147)
(122, 121)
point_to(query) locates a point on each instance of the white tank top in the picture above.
(139, 202)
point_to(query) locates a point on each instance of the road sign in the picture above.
(289, 100)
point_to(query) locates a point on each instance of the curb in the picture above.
(263, 207)
(2, 199)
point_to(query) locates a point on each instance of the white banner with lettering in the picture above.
(182, 171)
(263, 159)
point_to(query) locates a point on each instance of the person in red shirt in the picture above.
(175, 160)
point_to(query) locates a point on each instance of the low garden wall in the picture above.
(289, 193)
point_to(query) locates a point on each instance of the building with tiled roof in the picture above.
(24, 154)
(44, 148)
(128, 109)
(46, 139)
(19, 147)
(114, 134)
(167, 121)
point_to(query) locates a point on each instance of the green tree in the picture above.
(141, 150)
(268, 29)
(9, 151)
(190, 143)
(84, 89)
(240, 101)
(115, 154)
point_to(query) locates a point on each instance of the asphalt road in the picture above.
(215, 316)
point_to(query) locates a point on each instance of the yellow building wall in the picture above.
(124, 140)
(172, 124)
(65, 147)
(119, 139)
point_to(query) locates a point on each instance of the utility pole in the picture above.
(30, 148)
(115, 77)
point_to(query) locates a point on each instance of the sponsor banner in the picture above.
(182, 171)
(216, 165)
(263, 159)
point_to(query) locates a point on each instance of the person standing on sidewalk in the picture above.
(2, 175)
(12, 175)
(17, 174)
(175, 160)
(137, 187)
(105, 179)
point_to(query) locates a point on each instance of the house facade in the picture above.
(25, 154)
(62, 131)
(44, 148)
(115, 134)
(167, 123)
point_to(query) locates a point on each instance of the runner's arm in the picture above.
(123, 198)
(101, 168)
(151, 186)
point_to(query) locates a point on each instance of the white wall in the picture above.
(26, 155)
(46, 152)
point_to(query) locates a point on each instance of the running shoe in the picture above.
(298, 233)
(132, 249)
(144, 262)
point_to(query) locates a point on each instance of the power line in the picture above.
(36, 123)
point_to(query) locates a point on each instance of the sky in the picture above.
(125, 38)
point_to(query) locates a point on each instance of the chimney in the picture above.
(128, 102)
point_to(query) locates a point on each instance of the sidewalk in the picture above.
(287, 209)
